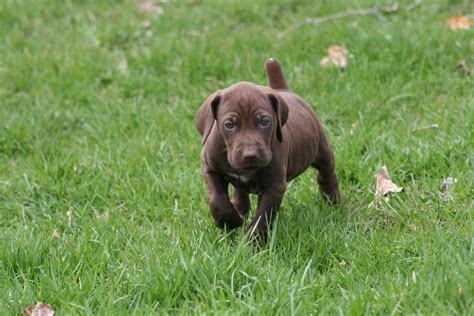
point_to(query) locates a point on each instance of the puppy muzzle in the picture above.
(249, 157)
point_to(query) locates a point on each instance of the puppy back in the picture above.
(276, 78)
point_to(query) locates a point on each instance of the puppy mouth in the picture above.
(246, 165)
(249, 166)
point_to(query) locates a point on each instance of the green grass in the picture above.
(109, 157)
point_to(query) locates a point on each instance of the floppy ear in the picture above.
(207, 115)
(281, 111)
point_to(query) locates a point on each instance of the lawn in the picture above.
(103, 208)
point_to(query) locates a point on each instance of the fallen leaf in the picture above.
(384, 184)
(337, 56)
(150, 7)
(146, 24)
(27, 311)
(441, 98)
(55, 234)
(447, 183)
(353, 126)
(40, 309)
(459, 22)
(195, 33)
(464, 67)
(122, 65)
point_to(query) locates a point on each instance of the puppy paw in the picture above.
(226, 216)
(257, 230)
(241, 207)
(332, 196)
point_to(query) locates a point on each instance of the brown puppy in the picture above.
(259, 138)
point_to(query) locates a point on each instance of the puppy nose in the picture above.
(250, 154)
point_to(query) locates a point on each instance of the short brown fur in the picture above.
(258, 138)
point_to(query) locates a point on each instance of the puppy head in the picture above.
(248, 118)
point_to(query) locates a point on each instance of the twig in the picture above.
(431, 126)
(413, 5)
(377, 11)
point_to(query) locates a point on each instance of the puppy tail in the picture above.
(276, 78)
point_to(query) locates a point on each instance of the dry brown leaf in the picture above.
(384, 184)
(55, 234)
(150, 7)
(122, 65)
(464, 67)
(337, 56)
(447, 183)
(459, 22)
(40, 309)
(146, 24)
(353, 127)
(28, 310)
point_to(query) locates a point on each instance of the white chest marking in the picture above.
(242, 179)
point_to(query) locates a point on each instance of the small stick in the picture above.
(377, 11)
(413, 5)
(431, 126)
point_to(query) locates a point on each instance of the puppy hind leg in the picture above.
(327, 179)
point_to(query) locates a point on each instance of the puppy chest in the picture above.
(244, 183)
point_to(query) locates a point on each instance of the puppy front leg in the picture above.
(221, 208)
(241, 201)
(268, 205)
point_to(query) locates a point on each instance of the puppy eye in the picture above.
(229, 124)
(265, 122)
